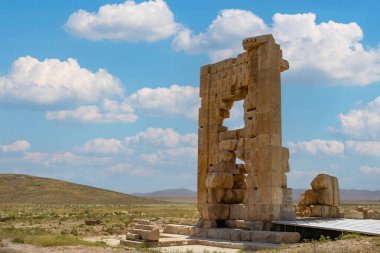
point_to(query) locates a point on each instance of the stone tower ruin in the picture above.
(255, 190)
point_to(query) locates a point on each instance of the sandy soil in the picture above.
(26, 248)
(361, 245)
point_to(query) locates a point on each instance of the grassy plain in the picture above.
(55, 226)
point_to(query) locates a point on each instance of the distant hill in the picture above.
(348, 194)
(173, 195)
(180, 192)
(186, 195)
(24, 189)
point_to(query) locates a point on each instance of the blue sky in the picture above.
(105, 93)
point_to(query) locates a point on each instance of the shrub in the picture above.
(18, 240)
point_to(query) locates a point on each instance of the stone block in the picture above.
(235, 235)
(238, 212)
(178, 229)
(243, 224)
(229, 145)
(353, 214)
(225, 167)
(219, 180)
(227, 156)
(219, 233)
(202, 223)
(215, 195)
(324, 211)
(200, 232)
(131, 236)
(309, 197)
(147, 235)
(228, 135)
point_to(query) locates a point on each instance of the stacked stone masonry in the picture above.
(144, 231)
(322, 200)
(255, 190)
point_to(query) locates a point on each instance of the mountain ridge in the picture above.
(26, 189)
(346, 194)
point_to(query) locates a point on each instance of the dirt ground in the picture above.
(360, 245)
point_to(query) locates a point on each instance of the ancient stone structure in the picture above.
(322, 200)
(255, 190)
(142, 231)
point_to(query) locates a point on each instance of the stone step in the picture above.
(242, 224)
(142, 221)
(132, 236)
(178, 229)
(131, 243)
(146, 235)
(144, 227)
(179, 240)
(247, 235)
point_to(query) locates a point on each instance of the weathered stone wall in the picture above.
(256, 190)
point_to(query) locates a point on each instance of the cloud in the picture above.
(100, 146)
(153, 158)
(17, 146)
(326, 52)
(51, 82)
(161, 137)
(362, 122)
(108, 112)
(326, 147)
(129, 21)
(63, 158)
(129, 169)
(171, 156)
(369, 148)
(175, 100)
(370, 170)
(224, 35)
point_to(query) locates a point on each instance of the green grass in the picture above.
(377, 240)
(345, 236)
(40, 237)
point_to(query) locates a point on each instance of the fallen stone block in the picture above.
(178, 229)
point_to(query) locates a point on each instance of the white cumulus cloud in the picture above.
(326, 52)
(17, 146)
(370, 170)
(223, 37)
(161, 137)
(100, 146)
(369, 148)
(174, 100)
(129, 21)
(63, 158)
(108, 112)
(362, 122)
(123, 168)
(52, 81)
(326, 147)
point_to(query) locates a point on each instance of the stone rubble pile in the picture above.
(322, 200)
(143, 230)
(360, 213)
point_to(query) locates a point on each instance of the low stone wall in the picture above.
(232, 234)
